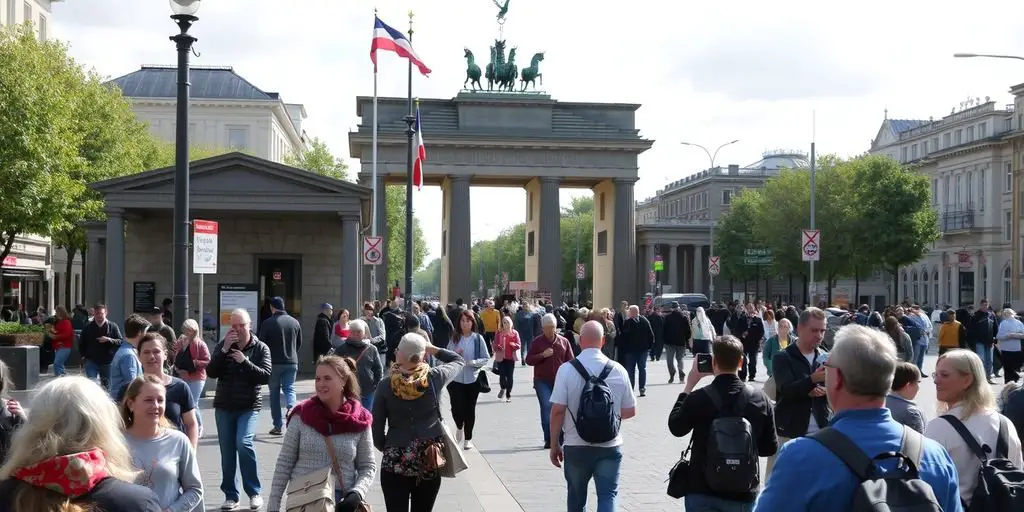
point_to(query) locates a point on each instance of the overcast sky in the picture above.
(705, 72)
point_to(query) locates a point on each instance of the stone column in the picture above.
(691, 256)
(382, 230)
(351, 261)
(115, 285)
(698, 269)
(978, 276)
(549, 240)
(623, 282)
(671, 267)
(95, 267)
(456, 272)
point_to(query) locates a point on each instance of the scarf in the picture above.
(410, 385)
(350, 418)
(72, 475)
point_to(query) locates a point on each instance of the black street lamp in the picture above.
(184, 15)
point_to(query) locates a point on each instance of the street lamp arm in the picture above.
(986, 55)
(713, 158)
(710, 158)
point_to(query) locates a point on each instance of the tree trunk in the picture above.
(68, 302)
(828, 298)
(790, 289)
(856, 285)
(895, 284)
(807, 291)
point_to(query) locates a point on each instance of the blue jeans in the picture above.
(985, 353)
(196, 387)
(708, 503)
(367, 402)
(60, 356)
(282, 379)
(582, 463)
(544, 390)
(637, 360)
(524, 348)
(93, 370)
(235, 431)
(920, 349)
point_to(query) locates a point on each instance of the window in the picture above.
(913, 152)
(958, 137)
(924, 148)
(1007, 222)
(10, 12)
(970, 190)
(727, 196)
(981, 189)
(970, 134)
(903, 154)
(706, 204)
(913, 283)
(982, 130)
(945, 140)
(602, 242)
(238, 138)
(935, 192)
(935, 144)
(984, 281)
(28, 12)
(924, 286)
(958, 203)
(42, 28)
(1009, 177)
(949, 192)
(1008, 124)
(1006, 284)
(935, 281)
(601, 205)
(529, 206)
(529, 244)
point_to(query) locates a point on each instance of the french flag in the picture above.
(389, 39)
(421, 154)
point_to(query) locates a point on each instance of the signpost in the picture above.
(714, 265)
(581, 271)
(659, 263)
(651, 277)
(810, 244)
(204, 255)
(372, 250)
(757, 257)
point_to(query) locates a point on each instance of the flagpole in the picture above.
(373, 209)
(410, 119)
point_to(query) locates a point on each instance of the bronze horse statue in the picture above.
(509, 72)
(496, 64)
(472, 72)
(532, 73)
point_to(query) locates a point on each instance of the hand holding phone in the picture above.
(704, 363)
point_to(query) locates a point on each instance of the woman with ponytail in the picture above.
(332, 420)
(70, 456)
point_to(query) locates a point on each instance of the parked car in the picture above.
(691, 300)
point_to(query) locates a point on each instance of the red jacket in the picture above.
(63, 335)
(545, 368)
(507, 342)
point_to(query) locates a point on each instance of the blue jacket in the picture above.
(525, 326)
(124, 369)
(808, 477)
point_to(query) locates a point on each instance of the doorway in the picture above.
(280, 277)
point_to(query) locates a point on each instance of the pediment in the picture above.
(237, 179)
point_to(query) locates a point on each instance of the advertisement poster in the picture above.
(204, 246)
(233, 296)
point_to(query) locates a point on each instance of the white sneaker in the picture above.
(255, 502)
(468, 445)
(459, 436)
(229, 505)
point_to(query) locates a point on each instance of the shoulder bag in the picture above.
(314, 492)
(183, 359)
(445, 456)
(481, 376)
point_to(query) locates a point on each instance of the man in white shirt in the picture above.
(585, 461)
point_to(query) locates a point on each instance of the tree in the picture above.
(738, 231)
(319, 159)
(394, 213)
(428, 280)
(162, 155)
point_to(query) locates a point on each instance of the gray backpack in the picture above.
(901, 490)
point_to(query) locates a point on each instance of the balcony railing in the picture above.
(957, 220)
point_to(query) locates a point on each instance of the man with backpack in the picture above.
(863, 460)
(733, 426)
(596, 393)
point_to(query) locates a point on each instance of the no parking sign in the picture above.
(810, 244)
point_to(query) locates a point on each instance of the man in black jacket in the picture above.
(753, 334)
(283, 334)
(97, 343)
(801, 407)
(719, 316)
(656, 317)
(636, 340)
(322, 331)
(981, 335)
(677, 336)
(241, 363)
(694, 411)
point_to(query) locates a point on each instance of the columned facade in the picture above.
(456, 264)
(114, 274)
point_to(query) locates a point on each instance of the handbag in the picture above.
(183, 359)
(445, 456)
(677, 476)
(314, 492)
(481, 377)
(770, 388)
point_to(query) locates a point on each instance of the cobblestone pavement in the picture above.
(510, 471)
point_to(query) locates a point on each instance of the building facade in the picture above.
(226, 112)
(37, 12)
(972, 158)
(676, 225)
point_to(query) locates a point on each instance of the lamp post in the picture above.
(184, 14)
(711, 249)
(1015, 201)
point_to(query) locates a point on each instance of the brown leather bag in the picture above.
(433, 457)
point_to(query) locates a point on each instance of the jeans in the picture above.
(920, 349)
(235, 431)
(582, 463)
(544, 390)
(985, 353)
(637, 360)
(282, 379)
(709, 503)
(524, 349)
(93, 370)
(673, 357)
(506, 369)
(60, 356)
(749, 363)
(463, 399)
(367, 402)
(404, 493)
(196, 387)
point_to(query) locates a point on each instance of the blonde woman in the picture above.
(73, 425)
(777, 343)
(191, 341)
(164, 455)
(971, 421)
(332, 420)
(506, 347)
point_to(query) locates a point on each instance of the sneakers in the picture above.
(671, 379)
(643, 392)
(255, 502)
(468, 445)
(459, 436)
(501, 394)
(276, 432)
(229, 505)
(508, 398)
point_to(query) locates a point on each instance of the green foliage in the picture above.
(19, 328)
(394, 213)
(738, 231)
(427, 281)
(319, 159)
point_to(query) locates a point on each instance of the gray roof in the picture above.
(902, 125)
(220, 83)
(775, 160)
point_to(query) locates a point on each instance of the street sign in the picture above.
(204, 246)
(810, 244)
(757, 256)
(714, 265)
(652, 277)
(581, 271)
(373, 250)
(659, 264)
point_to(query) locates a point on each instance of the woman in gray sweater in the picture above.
(335, 414)
(407, 405)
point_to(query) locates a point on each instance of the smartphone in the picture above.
(704, 363)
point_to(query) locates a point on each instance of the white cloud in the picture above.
(704, 72)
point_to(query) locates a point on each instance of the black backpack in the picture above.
(1000, 483)
(731, 463)
(901, 490)
(597, 417)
